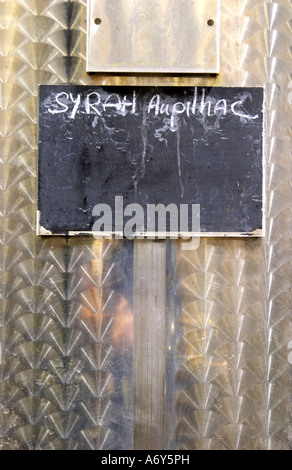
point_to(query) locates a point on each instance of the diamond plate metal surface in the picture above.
(232, 380)
(65, 310)
(66, 317)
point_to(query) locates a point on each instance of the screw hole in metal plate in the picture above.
(97, 21)
(210, 22)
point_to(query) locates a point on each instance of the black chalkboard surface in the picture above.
(168, 145)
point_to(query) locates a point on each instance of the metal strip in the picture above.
(149, 344)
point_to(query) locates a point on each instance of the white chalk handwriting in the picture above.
(101, 104)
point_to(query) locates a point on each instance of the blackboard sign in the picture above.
(150, 146)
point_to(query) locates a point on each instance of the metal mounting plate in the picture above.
(155, 36)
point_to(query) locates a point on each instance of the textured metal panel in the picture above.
(66, 317)
(66, 366)
(153, 36)
(231, 382)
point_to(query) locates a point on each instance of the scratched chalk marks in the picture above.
(151, 145)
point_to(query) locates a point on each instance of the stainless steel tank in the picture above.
(139, 345)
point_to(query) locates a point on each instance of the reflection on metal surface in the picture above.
(153, 36)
